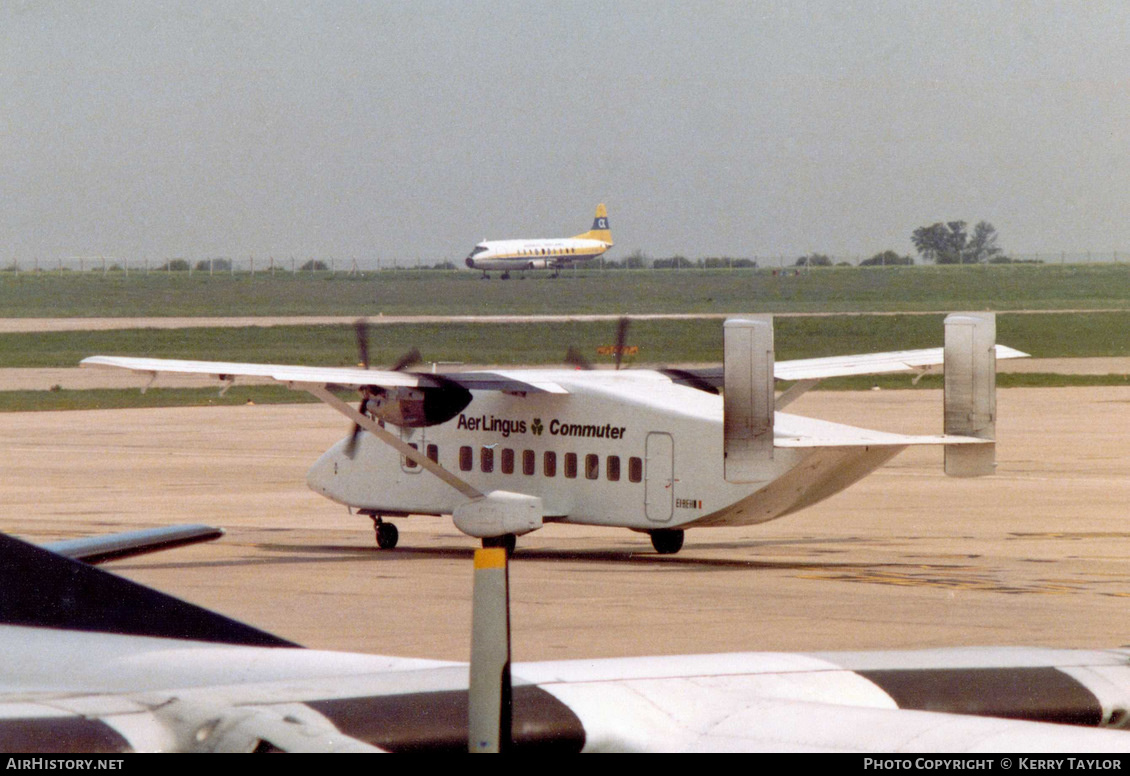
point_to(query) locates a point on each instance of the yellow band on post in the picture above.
(490, 558)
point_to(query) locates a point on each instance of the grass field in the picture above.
(660, 342)
(405, 292)
(1049, 335)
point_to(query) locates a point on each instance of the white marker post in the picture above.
(489, 699)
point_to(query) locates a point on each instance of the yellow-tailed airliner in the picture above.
(507, 255)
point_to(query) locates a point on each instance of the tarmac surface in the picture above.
(1038, 554)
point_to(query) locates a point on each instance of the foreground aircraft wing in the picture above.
(95, 663)
(99, 549)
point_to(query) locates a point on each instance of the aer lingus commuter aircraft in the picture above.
(541, 253)
(656, 451)
(98, 664)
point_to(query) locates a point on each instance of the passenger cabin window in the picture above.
(465, 463)
(612, 468)
(549, 464)
(433, 453)
(570, 465)
(486, 460)
(592, 467)
(507, 461)
(408, 462)
(529, 462)
(635, 469)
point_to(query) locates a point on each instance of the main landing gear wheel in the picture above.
(667, 541)
(387, 535)
(508, 542)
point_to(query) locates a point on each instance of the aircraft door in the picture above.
(659, 477)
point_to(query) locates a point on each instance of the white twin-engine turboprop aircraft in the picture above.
(541, 253)
(657, 451)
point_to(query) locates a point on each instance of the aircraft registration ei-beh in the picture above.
(656, 451)
(541, 253)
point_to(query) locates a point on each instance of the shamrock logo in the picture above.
(537, 427)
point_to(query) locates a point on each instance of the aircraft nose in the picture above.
(322, 476)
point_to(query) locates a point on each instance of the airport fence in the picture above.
(334, 266)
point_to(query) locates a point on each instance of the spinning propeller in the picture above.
(573, 357)
(410, 358)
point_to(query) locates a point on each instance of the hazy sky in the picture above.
(412, 130)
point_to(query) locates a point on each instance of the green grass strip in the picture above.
(843, 289)
(114, 399)
(1066, 335)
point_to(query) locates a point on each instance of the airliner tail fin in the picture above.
(600, 230)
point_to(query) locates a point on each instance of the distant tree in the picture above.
(940, 243)
(887, 259)
(637, 259)
(949, 243)
(443, 265)
(675, 262)
(725, 262)
(176, 265)
(314, 266)
(814, 260)
(213, 265)
(982, 245)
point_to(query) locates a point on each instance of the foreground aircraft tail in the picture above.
(600, 230)
(47, 590)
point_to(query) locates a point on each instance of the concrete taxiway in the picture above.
(1038, 554)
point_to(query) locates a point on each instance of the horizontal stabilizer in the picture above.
(880, 439)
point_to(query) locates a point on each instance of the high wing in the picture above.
(893, 362)
(81, 676)
(513, 380)
(350, 377)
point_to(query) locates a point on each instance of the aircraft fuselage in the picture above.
(622, 457)
(533, 254)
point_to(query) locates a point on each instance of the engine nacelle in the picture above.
(538, 264)
(417, 407)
